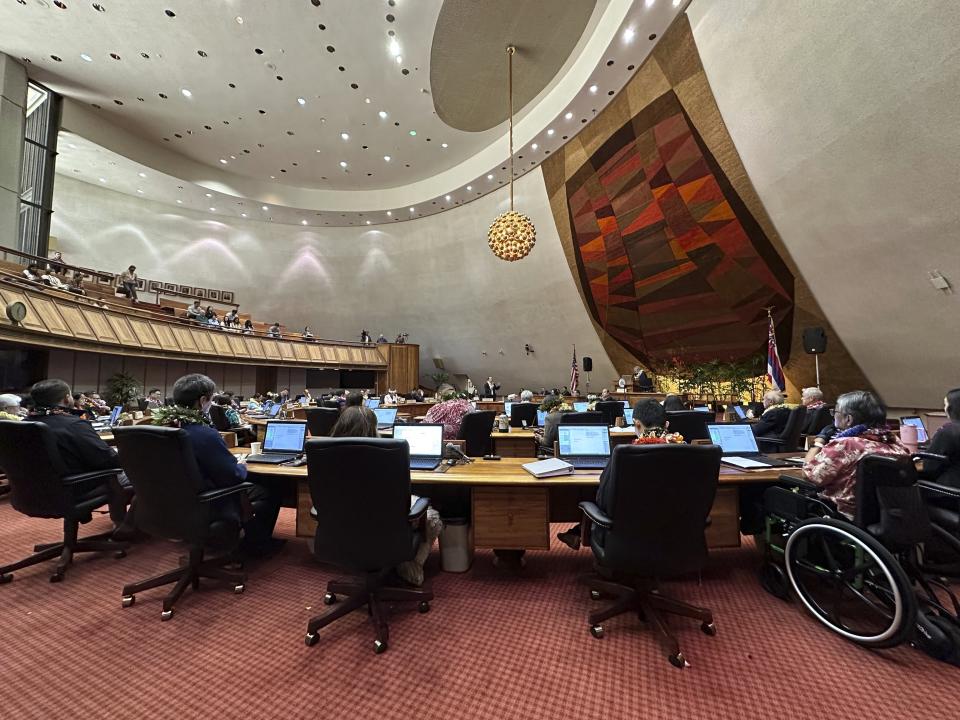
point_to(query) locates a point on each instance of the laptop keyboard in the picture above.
(424, 463)
(270, 458)
(587, 462)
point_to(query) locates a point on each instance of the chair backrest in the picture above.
(163, 469)
(475, 429)
(581, 418)
(793, 429)
(889, 504)
(361, 490)
(333, 404)
(611, 410)
(661, 499)
(29, 457)
(692, 424)
(817, 420)
(320, 420)
(520, 412)
(218, 416)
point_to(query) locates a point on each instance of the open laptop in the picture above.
(372, 403)
(627, 417)
(739, 446)
(104, 426)
(268, 413)
(586, 447)
(741, 413)
(541, 418)
(506, 408)
(386, 417)
(581, 406)
(426, 444)
(702, 408)
(282, 442)
(917, 422)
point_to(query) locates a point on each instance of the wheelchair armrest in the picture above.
(936, 490)
(596, 514)
(801, 484)
(216, 494)
(93, 475)
(418, 509)
(931, 464)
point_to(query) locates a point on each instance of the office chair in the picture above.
(163, 469)
(218, 416)
(581, 418)
(789, 439)
(523, 412)
(658, 499)
(333, 404)
(40, 486)
(475, 429)
(361, 492)
(692, 424)
(320, 420)
(611, 410)
(817, 420)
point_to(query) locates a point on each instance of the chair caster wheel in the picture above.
(239, 588)
(709, 628)
(56, 577)
(329, 599)
(678, 661)
(423, 607)
(128, 600)
(379, 647)
(596, 631)
(311, 639)
(120, 554)
(594, 594)
(166, 614)
(4, 579)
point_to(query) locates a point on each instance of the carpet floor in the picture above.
(496, 644)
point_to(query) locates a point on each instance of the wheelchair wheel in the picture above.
(850, 582)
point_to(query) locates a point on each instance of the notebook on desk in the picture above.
(426, 444)
(586, 447)
(551, 467)
(739, 447)
(282, 442)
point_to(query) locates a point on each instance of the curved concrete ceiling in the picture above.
(470, 41)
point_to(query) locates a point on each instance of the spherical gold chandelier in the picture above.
(512, 235)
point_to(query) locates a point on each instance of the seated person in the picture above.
(390, 397)
(359, 421)
(946, 441)
(860, 419)
(210, 316)
(232, 318)
(416, 395)
(450, 412)
(554, 406)
(673, 403)
(81, 449)
(248, 327)
(154, 399)
(284, 397)
(274, 331)
(244, 432)
(51, 279)
(526, 396)
(255, 403)
(776, 412)
(10, 407)
(195, 312)
(812, 398)
(33, 272)
(193, 395)
(605, 395)
(128, 283)
(650, 425)
(354, 398)
(306, 334)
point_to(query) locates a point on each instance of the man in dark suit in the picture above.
(220, 468)
(776, 412)
(81, 449)
(490, 388)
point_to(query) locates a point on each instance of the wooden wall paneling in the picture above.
(286, 350)
(144, 334)
(155, 375)
(32, 320)
(270, 349)
(238, 347)
(215, 371)
(283, 380)
(221, 344)
(298, 380)
(204, 341)
(76, 322)
(317, 353)
(184, 338)
(255, 347)
(60, 365)
(266, 380)
(86, 372)
(166, 337)
(301, 351)
(49, 314)
(175, 369)
(137, 368)
(121, 327)
(248, 383)
(98, 322)
(233, 378)
(109, 365)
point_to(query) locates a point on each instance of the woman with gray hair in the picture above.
(861, 419)
(10, 407)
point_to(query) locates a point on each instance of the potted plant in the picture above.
(122, 389)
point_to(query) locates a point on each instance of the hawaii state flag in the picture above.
(574, 373)
(774, 368)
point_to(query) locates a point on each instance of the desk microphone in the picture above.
(463, 456)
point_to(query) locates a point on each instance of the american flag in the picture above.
(574, 373)
(774, 368)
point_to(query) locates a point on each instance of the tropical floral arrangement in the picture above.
(552, 403)
(177, 416)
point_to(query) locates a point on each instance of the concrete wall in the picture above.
(13, 102)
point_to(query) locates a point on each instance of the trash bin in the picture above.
(456, 545)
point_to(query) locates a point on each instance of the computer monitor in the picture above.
(733, 438)
(284, 437)
(424, 440)
(385, 416)
(741, 413)
(584, 440)
(917, 422)
(372, 403)
(702, 408)
(581, 406)
(626, 404)
(541, 417)
(628, 416)
(506, 408)
(115, 414)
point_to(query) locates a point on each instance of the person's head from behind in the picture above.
(194, 391)
(10, 403)
(306, 329)
(860, 407)
(354, 399)
(649, 414)
(221, 399)
(772, 397)
(810, 395)
(248, 323)
(51, 393)
(526, 396)
(355, 421)
(951, 404)
(673, 403)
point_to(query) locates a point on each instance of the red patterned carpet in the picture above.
(495, 645)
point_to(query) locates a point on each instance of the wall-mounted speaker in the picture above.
(814, 340)
(587, 364)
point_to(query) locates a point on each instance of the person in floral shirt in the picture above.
(860, 418)
(450, 413)
(812, 398)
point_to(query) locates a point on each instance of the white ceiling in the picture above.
(290, 155)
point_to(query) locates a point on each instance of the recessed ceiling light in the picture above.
(389, 213)
(628, 34)
(344, 136)
(394, 47)
(71, 146)
(550, 132)
(223, 161)
(233, 157)
(412, 209)
(343, 163)
(140, 191)
(209, 194)
(103, 180)
(676, 3)
(444, 145)
(301, 101)
(303, 222)
(382, 114)
(368, 222)
(180, 202)
(386, 158)
(243, 214)
(534, 146)
(84, 56)
(185, 92)
(142, 174)
(213, 209)
(413, 132)
(568, 116)
(469, 187)
(273, 177)
(489, 177)
(649, 3)
(239, 20)
(593, 88)
(399, 59)
(447, 198)
(367, 100)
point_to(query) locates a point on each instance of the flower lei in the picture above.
(178, 416)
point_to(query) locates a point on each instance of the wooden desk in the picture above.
(522, 442)
(513, 510)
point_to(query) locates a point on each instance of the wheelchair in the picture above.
(868, 579)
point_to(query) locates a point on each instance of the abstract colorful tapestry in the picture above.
(672, 263)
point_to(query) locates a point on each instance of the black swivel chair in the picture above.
(218, 416)
(692, 424)
(332, 404)
(361, 491)
(40, 486)
(320, 420)
(475, 429)
(611, 410)
(163, 469)
(581, 418)
(653, 527)
(789, 439)
(817, 420)
(523, 412)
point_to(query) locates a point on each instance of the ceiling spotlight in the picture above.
(469, 187)
(87, 58)
(413, 132)
(628, 34)
(180, 202)
(301, 101)
(593, 88)
(273, 177)
(243, 214)
(344, 136)
(186, 93)
(343, 163)
(447, 198)
(213, 209)
(368, 222)
(412, 209)
(386, 158)
(239, 20)
(209, 194)
(389, 213)
(444, 145)
(550, 132)
(264, 207)
(366, 100)
(490, 177)
(676, 3)
(303, 222)
(233, 157)
(71, 146)
(382, 114)
(399, 59)
(534, 146)
(568, 116)
(648, 3)
(223, 162)
(142, 174)
(103, 180)
(140, 191)
(394, 47)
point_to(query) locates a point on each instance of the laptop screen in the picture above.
(424, 440)
(628, 416)
(917, 422)
(541, 417)
(741, 413)
(275, 410)
(584, 440)
(385, 416)
(372, 403)
(506, 408)
(702, 408)
(115, 414)
(626, 404)
(284, 437)
(733, 438)
(581, 406)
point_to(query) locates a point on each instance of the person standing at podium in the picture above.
(490, 388)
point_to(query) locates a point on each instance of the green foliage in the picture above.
(439, 378)
(721, 380)
(122, 389)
